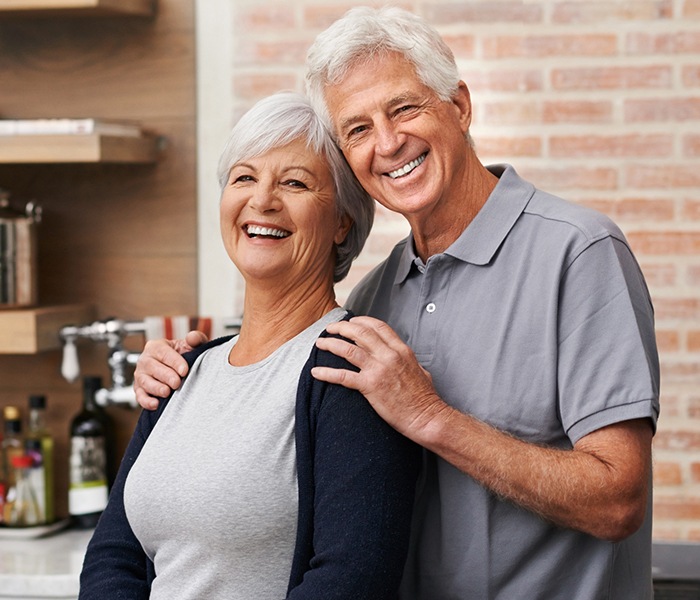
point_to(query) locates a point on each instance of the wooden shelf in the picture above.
(77, 148)
(145, 8)
(33, 330)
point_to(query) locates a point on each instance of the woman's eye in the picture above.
(241, 178)
(296, 183)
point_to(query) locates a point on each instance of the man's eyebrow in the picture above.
(394, 101)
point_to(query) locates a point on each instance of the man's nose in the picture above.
(388, 139)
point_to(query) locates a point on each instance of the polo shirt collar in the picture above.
(479, 242)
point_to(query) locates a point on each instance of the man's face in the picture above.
(405, 145)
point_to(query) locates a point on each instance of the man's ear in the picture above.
(463, 104)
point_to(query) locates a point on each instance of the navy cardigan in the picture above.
(356, 478)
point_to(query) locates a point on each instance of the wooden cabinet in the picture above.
(76, 7)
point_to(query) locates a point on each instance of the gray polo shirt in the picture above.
(536, 320)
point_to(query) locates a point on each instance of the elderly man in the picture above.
(511, 335)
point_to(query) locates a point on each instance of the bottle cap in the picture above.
(37, 401)
(11, 413)
(22, 461)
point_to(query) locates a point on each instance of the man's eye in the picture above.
(404, 108)
(357, 130)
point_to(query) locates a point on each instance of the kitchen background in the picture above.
(596, 101)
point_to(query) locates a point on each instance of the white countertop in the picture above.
(47, 567)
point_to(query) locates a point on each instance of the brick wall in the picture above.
(597, 101)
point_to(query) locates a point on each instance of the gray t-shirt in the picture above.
(537, 321)
(213, 495)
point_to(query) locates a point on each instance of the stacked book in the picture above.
(68, 127)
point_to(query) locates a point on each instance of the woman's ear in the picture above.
(344, 225)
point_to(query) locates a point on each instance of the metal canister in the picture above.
(18, 253)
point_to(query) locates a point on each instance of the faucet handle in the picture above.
(70, 368)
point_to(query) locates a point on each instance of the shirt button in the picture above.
(431, 307)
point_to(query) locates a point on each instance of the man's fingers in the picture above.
(196, 338)
(348, 379)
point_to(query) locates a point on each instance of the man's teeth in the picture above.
(407, 168)
(258, 230)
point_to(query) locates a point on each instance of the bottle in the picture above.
(87, 491)
(39, 446)
(22, 507)
(12, 443)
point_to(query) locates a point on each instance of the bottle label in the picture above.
(88, 476)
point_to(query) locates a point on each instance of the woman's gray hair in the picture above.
(364, 33)
(283, 118)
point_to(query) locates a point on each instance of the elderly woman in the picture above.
(254, 480)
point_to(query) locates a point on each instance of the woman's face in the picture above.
(278, 216)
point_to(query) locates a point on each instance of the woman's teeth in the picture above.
(407, 168)
(258, 230)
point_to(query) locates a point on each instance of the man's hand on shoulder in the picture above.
(160, 368)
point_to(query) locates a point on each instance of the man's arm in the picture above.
(160, 368)
(599, 487)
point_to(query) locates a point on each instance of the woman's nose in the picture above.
(264, 198)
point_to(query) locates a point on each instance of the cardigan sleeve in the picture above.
(363, 476)
(115, 565)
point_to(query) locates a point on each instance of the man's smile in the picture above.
(407, 168)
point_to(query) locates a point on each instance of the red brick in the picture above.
(691, 145)
(609, 146)
(665, 533)
(677, 308)
(667, 473)
(278, 52)
(584, 78)
(506, 80)
(666, 242)
(553, 179)
(265, 17)
(694, 275)
(691, 75)
(662, 176)
(690, 210)
(643, 209)
(667, 340)
(691, 9)
(695, 472)
(577, 111)
(462, 46)
(512, 112)
(675, 507)
(483, 12)
(597, 12)
(660, 274)
(670, 407)
(678, 42)
(320, 15)
(254, 86)
(662, 109)
(676, 440)
(680, 372)
(503, 147)
(694, 341)
(549, 45)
